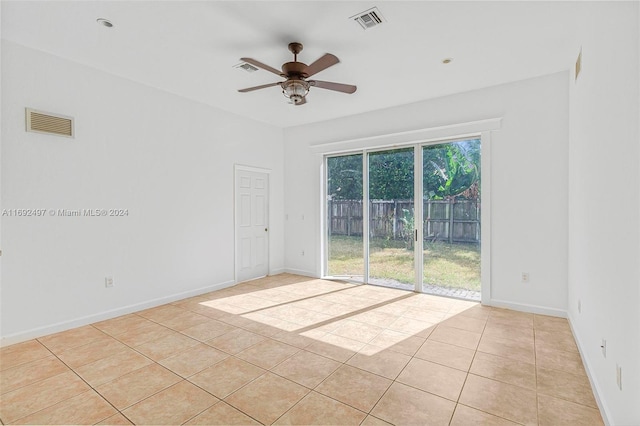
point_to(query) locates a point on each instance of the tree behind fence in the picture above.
(445, 220)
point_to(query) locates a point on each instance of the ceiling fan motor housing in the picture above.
(294, 69)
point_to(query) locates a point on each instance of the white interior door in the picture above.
(252, 224)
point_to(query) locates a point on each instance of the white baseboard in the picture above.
(90, 319)
(277, 271)
(301, 272)
(604, 410)
(523, 307)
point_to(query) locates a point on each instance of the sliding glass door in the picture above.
(451, 218)
(345, 254)
(391, 218)
(376, 232)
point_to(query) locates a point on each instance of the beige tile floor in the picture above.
(293, 350)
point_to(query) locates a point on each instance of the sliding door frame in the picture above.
(485, 199)
(418, 219)
(365, 204)
(365, 215)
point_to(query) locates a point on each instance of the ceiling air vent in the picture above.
(46, 122)
(245, 66)
(369, 18)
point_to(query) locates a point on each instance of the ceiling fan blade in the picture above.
(321, 64)
(263, 66)
(338, 87)
(251, 89)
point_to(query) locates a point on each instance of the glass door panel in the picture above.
(391, 218)
(345, 254)
(451, 219)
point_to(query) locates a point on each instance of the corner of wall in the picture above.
(593, 380)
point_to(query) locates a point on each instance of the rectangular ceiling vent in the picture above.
(49, 123)
(245, 66)
(369, 18)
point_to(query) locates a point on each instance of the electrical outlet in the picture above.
(619, 376)
(603, 346)
(108, 282)
(525, 277)
(579, 306)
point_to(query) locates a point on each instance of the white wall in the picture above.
(168, 160)
(529, 182)
(604, 207)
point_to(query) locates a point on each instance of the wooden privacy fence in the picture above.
(445, 220)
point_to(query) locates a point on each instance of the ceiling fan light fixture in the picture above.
(295, 90)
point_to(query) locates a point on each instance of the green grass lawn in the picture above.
(447, 265)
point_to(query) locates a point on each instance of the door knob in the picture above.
(265, 229)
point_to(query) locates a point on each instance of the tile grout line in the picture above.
(132, 371)
(24, 364)
(279, 304)
(232, 355)
(351, 314)
(94, 389)
(81, 378)
(292, 407)
(185, 379)
(70, 370)
(220, 401)
(384, 393)
(253, 380)
(343, 364)
(468, 372)
(41, 380)
(310, 389)
(202, 342)
(490, 378)
(299, 350)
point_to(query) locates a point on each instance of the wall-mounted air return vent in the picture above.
(49, 123)
(245, 66)
(369, 18)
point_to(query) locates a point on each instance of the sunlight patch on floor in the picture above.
(337, 313)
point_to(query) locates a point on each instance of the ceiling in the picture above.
(189, 48)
